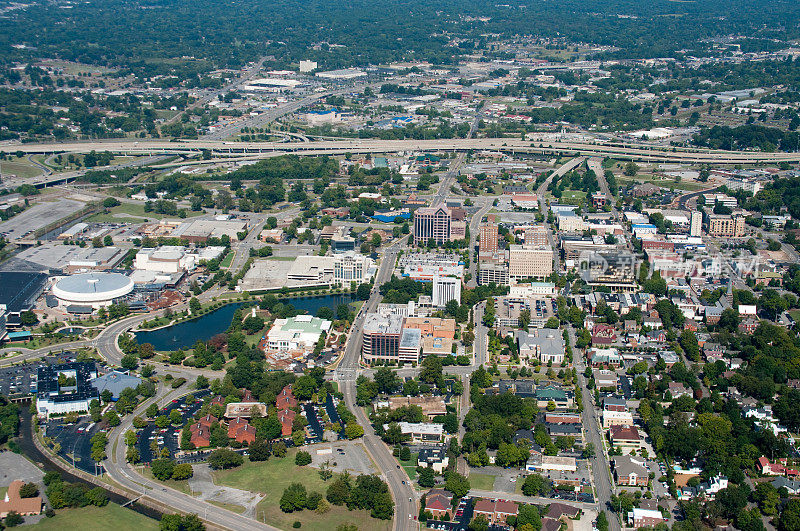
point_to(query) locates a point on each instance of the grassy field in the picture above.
(97, 519)
(20, 168)
(410, 466)
(689, 186)
(272, 477)
(226, 262)
(134, 212)
(573, 197)
(795, 314)
(481, 481)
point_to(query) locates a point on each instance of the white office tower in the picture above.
(446, 289)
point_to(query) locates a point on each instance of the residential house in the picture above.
(617, 418)
(200, 435)
(792, 486)
(612, 403)
(562, 418)
(677, 389)
(604, 379)
(557, 510)
(496, 512)
(777, 468)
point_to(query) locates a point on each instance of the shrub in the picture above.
(302, 458)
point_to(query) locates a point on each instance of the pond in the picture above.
(186, 334)
(71, 331)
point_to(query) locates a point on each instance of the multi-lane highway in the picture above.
(632, 151)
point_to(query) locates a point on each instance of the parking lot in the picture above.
(20, 380)
(342, 456)
(74, 441)
(169, 437)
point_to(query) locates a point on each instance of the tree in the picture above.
(182, 471)
(353, 431)
(339, 491)
(789, 519)
(13, 519)
(28, 490)
(631, 169)
(294, 498)
(688, 341)
(129, 362)
(457, 484)
(535, 485)
(28, 318)
(224, 458)
(602, 521)
(426, 477)
(162, 469)
(302, 458)
(479, 523)
(258, 450)
(251, 324)
(529, 515)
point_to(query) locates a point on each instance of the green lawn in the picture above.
(97, 519)
(573, 197)
(21, 168)
(272, 477)
(481, 481)
(226, 262)
(133, 211)
(410, 466)
(795, 314)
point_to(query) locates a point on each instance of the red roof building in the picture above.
(201, 435)
(286, 417)
(246, 434)
(438, 502)
(286, 399)
(234, 425)
(207, 421)
(496, 512)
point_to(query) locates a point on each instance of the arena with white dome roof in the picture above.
(92, 289)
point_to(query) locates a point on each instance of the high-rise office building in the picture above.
(432, 223)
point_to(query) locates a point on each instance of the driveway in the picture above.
(202, 483)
